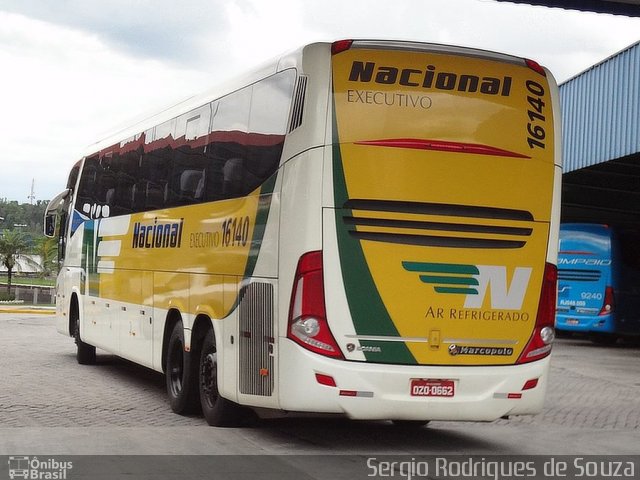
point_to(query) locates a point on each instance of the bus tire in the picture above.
(218, 411)
(410, 424)
(606, 339)
(180, 374)
(85, 353)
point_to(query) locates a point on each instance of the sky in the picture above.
(73, 70)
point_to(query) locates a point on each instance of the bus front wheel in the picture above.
(218, 411)
(85, 353)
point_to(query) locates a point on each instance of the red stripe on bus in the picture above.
(442, 146)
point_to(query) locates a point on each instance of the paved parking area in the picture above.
(44, 385)
(593, 405)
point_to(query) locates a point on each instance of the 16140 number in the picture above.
(535, 127)
(235, 232)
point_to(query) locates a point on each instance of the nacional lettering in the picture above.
(158, 234)
(429, 78)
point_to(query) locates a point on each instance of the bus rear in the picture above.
(436, 280)
(585, 279)
(598, 278)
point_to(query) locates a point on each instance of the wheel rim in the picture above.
(176, 368)
(209, 378)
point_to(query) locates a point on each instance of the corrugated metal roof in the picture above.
(601, 111)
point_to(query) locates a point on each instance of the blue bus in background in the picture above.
(598, 282)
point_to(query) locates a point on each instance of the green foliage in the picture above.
(20, 235)
(12, 244)
(28, 220)
(27, 214)
(4, 297)
(47, 249)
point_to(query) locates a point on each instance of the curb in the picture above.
(29, 309)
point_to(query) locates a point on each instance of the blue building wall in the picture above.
(601, 111)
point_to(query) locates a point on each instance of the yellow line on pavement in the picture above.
(41, 311)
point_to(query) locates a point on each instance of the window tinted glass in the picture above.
(221, 150)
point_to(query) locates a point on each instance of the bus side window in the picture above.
(268, 122)
(73, 177)
(86, 197)
(106, 188)
(233, 178)
(229, 140)
(152, 181)
(192, 186)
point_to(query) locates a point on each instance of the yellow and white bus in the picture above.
(365, 228)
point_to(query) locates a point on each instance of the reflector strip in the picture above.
(386, 338)
(355, 393)
(509, 396)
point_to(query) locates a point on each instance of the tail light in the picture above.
(539, 345)
(340, 46)
(609, 302)
(307, 314)
(536, 67)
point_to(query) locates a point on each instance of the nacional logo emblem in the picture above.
(474, 281)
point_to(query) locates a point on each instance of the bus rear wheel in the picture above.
(604, 338)
(181, 376)
(410, 424)
(218, 411)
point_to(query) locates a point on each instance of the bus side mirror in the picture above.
(50, 225)
(50, 213)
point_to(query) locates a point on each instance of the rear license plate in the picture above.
(432, 387)
(572, 321)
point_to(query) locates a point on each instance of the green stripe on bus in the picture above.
(465, 291)
(449, 280)
(440, 268)
(262, 215)
(369, 315)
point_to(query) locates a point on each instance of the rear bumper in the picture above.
(382, 392)
(585, 323)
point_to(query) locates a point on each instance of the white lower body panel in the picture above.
(382, 392)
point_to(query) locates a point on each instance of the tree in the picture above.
(47, 250)
(13, 243)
